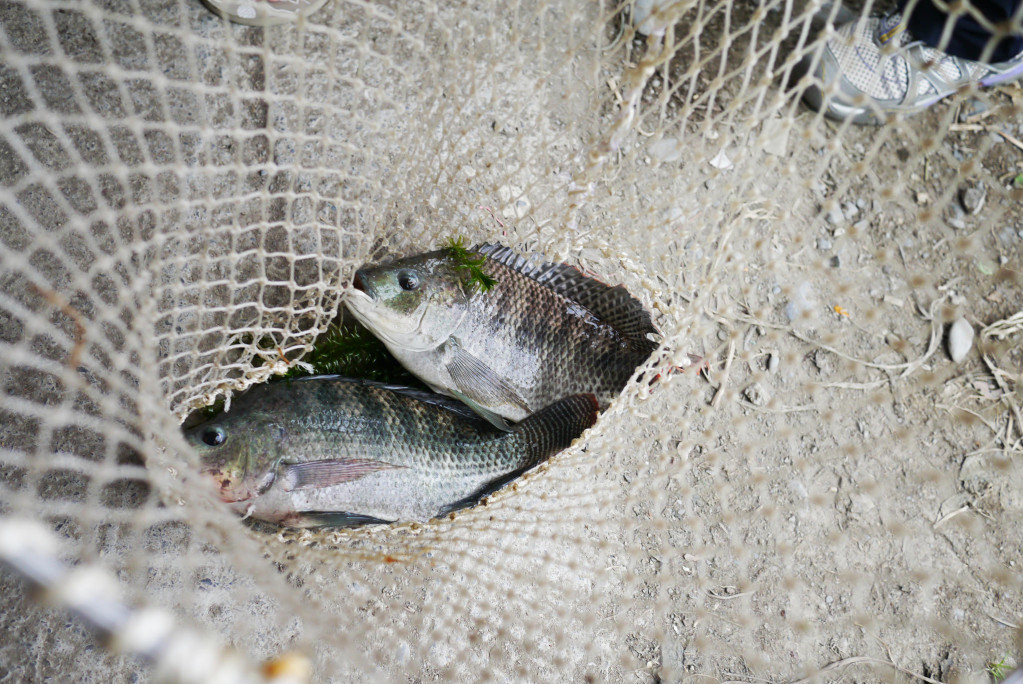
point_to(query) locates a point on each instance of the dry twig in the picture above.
(1000, 330)
(987, 128)
(856, 660)
(716, 401)
(56, 300)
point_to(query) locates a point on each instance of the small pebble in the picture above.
(972, 197)
(665, 149)
(721, 161)
(803, 300)
(823, 244)
(773, 362)
(954, 216)
(836, 217)
(972, 108)
(960, 339)
(756, 395)
(835, 262)
(824, 361)
(850, 210)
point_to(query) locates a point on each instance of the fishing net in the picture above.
(184, 199)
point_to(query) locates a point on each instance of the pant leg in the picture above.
(968, 38)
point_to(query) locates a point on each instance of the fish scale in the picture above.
(336, 450)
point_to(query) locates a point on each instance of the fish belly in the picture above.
(392, 495)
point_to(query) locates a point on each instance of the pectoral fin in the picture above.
(480, 387)
(331, 519)
(316, 474)
(494, 419)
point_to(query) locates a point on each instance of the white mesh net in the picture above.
(833, 496)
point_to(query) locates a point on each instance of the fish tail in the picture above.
(553, 428)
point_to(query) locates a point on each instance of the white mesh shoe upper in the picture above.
(866, 64)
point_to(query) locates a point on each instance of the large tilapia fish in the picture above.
(542, 332)
(327, 450)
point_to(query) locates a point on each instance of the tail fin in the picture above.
(553, 428)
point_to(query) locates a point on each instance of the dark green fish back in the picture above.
(335, 417)
(612, 305)
(555, 331)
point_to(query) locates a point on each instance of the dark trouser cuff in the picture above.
(969, 38)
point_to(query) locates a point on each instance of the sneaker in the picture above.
(878, 69)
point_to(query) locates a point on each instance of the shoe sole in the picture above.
(995, 79)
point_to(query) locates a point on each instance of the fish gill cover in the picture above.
(834, 495)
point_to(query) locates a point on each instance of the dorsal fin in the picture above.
(613, 305)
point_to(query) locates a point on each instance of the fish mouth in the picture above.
(227, 488)
(359, 283)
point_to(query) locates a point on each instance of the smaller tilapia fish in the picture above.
(542, 332)
(327, 450)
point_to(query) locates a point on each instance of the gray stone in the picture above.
(756, 395)
(803, 301)
(954, 216)
(836, 217)
(823, 244)
(972, 197)
(825, 361)
(972, 108)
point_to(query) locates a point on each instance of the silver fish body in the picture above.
(336, 451)
(542, 332)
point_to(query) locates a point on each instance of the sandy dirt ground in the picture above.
(826, 492)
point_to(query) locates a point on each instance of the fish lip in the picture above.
(223, 482)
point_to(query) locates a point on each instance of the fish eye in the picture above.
(408, 280)
(214, 436)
